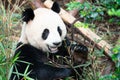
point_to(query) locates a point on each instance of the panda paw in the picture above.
(79, 48)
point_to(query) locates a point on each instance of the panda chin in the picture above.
(53, 49)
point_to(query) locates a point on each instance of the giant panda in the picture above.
(43, 32)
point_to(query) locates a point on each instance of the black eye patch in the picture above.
(59, 30)
(45, 34)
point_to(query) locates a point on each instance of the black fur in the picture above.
(28, 15)
(59, 30)
(37, 60)
(79, 48)
(45, 34)
(56, 7)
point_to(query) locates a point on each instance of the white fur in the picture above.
(44, 18)
(23, 37)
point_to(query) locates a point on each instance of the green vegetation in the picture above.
(97, 10)
(9, 19)
(116, 58)
(100, 12)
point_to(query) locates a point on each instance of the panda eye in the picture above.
(59, 30)
(45, 34)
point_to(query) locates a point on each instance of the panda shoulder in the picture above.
(26, 50)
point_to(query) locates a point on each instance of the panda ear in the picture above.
(55, 7)
(27, 15)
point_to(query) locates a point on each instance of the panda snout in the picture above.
(57, 43)
(54, 47)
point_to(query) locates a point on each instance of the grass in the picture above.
(9, 19)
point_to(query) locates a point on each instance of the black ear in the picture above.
(56, 7)
(27, 15)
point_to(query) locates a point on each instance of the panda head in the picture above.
(43, 28)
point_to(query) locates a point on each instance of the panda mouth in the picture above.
(53, 49)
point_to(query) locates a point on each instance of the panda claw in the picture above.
(79, 48)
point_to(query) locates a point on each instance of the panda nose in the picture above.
(57, 43)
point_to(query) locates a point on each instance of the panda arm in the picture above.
(63, 50)
(47, 72)
(79, 48)
(38, 68)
